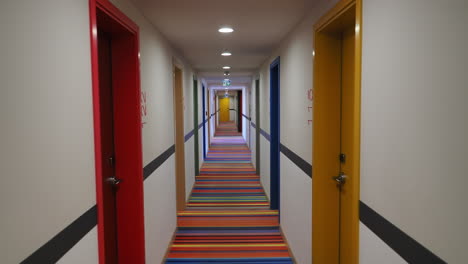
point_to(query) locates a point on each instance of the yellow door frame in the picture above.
(327, 247)
(179, 138)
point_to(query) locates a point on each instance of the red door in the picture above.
(110, 184)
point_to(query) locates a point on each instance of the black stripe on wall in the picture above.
(265, 134)
(300, 162)
(189, 135)
(405, 246)
(66, 239)
(60, 244)
(253, 125)
(157, 162)
(248, 118)
(201, 124)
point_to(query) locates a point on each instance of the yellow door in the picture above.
(348, 210)
(336, 137)
(224, 109)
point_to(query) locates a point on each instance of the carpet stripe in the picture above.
(227, 218)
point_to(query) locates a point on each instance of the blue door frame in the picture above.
(204, 121)
(275, 134)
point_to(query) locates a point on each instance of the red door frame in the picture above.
(127, 130)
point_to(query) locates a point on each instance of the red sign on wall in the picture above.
(143, 109)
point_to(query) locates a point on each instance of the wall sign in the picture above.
(143, 109)
(310, 97)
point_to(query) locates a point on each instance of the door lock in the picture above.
(343, 158)
(340, 179)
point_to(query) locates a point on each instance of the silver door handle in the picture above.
(340, 179)
(114, 181)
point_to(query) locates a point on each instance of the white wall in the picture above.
(296, 185)
(264, 108)
(212, 111)
(253, 135)
(47, 151)
(233, 105)
(189, 127)
(245, 111)
(188, 75)
(374, 250)
(414, 124)
(189, 165)
(160, 211)
(253, 148)
(200, 120)
(265, 164)
(85, 251)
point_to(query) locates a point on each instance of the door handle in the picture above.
(340, 179)
(114, 181)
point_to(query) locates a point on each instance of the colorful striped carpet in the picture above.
(227, 178)
(227, 219)
(227, 129)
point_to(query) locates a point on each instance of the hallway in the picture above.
(156, 131)
(227, 219)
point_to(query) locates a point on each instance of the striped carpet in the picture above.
(227, 178)
(227, 129)
(227, 219)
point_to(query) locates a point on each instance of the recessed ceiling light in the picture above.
(225, 30)
(226, 73)
(226, 67)
(226, 53)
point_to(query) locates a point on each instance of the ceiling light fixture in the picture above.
(226, 67)
(226, 73)
(226, 53)
(225, 30)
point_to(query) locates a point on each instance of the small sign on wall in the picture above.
(310, 97)
(144, 112)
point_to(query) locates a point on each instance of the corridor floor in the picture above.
(227, 218)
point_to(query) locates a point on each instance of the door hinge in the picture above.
(112, 161)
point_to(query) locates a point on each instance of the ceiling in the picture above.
(192, 28)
